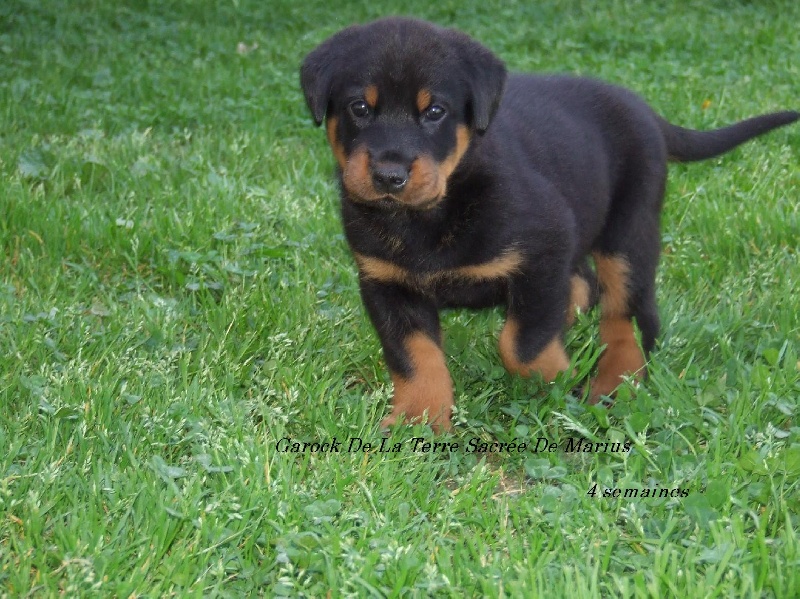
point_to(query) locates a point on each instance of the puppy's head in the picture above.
(402, 100)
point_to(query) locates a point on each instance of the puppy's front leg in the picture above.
(407, 323)
(530, 342)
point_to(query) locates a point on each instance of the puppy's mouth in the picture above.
(393, 201)
(418, 186)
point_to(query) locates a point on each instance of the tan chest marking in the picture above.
(387, 272)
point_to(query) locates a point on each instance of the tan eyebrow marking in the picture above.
(423, 99)
(371, 95)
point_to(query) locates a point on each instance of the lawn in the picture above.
(176, 298)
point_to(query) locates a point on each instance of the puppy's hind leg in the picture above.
(626, 257)
(584, 291)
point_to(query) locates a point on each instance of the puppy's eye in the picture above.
(359, 109)
(434, 113)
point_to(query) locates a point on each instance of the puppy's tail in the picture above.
(687, 145)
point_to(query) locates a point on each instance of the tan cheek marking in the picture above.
(621, 357)
(428, 391)
(428, 179)
(356, 176)
(451, 162)
(422, 181)
(613, 273)
(338, 149)
(550, 361)
(423, 99)
(371, 96)
(579, 298)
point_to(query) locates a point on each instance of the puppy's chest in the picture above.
(435, 273)
(435, 257)
(382, 269)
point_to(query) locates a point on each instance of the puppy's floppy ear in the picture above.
(484, 74)
(319, 71)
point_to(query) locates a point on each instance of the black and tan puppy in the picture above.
(462, 186)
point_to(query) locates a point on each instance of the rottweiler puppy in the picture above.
(463, 186)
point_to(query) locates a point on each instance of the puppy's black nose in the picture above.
(389, 177)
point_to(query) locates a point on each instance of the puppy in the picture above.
(462, 186)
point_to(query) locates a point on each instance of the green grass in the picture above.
(176, 296)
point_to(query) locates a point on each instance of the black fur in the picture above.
(556, 169)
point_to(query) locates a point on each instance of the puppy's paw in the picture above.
(436, 413)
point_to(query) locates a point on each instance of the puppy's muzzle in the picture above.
(389, 177)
